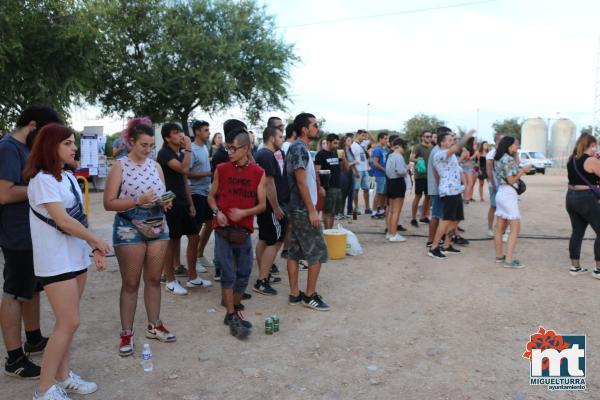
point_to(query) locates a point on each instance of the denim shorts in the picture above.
(124, 232)
(362, 181)
(436, 206)
(380, 184)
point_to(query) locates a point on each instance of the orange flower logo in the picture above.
(543, 340)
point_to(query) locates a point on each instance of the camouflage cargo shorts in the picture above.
(306, 241)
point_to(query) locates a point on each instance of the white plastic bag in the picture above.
(353, 247)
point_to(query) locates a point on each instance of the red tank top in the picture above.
(237, 189)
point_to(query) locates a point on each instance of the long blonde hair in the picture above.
(583, 143)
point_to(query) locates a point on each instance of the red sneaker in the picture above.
(159, 332)
(126, 347)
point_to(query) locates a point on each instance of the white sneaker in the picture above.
(397, 238)
(490, 233)
(54, 393)
(387, 236)
(175, 288)
(75, 384)
(505, 237)
(201, 268)
(205, 262)
(198, 282)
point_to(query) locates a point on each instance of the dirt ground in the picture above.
(402, 325)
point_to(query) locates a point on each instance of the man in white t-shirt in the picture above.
(290, 137)
(362, 180)
(492, 183)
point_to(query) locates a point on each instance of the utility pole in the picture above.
(368, 106)
(596, 124)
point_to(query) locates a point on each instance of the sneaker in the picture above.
(198, 282)
(381, 212)
(425, 220)
(368, 211)
(294, 300)
(126, 347)
(514, 264)
(414, 223)
(400, 228)
(302, 265)
(459, 229)
(75, 384)
(428, 245)
(274, 270)
(263, 286)
(380, 216)
(163, 278)
(596, 273)
(22, 368)
(236, 326)
(315, 302)
(505, 237)
(490, 233)
(436, 253)
(239, 307)
(374, 214)
(461, 241)
(284, 254)
(450, 250)
(397, 238)
(240, 315)
(35, 349)
(246, 296)
(201, 268)
(217, 276)
(181, 271)
(387, 235)
(274, 279)
(205, 262)
(160, 333)
(175, 288)
(54, 393)
(500, 259)
(577, 271)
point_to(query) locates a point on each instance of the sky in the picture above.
(468, 65)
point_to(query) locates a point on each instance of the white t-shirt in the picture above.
(54, 253)
(311, 177)
(490, 156)
(359, 154)
(285, 147)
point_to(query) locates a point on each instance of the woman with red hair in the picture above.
(59, 235)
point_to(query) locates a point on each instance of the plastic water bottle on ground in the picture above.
(147, 358)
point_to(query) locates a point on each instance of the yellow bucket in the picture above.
(336, 243)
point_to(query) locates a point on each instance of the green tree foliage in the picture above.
(588, 129)
(165, 59)
(510, 127)
(415, 126)
(46, 55)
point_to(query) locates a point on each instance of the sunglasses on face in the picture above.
(233, 149)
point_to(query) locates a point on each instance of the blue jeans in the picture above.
(235, 262)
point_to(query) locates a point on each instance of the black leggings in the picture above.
(584, 210)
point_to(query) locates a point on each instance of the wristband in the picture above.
(95, 250)
(215, 211)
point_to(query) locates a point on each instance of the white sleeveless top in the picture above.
(138, 179)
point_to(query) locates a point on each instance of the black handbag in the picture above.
(520, 188)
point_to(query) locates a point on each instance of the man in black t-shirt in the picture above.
(174, 158)
(271, 223)
(329, 160)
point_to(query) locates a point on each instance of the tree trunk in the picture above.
(184, 117)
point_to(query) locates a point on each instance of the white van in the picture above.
(537, 159)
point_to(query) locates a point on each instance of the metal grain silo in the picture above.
(562, 140)
(534, 134)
